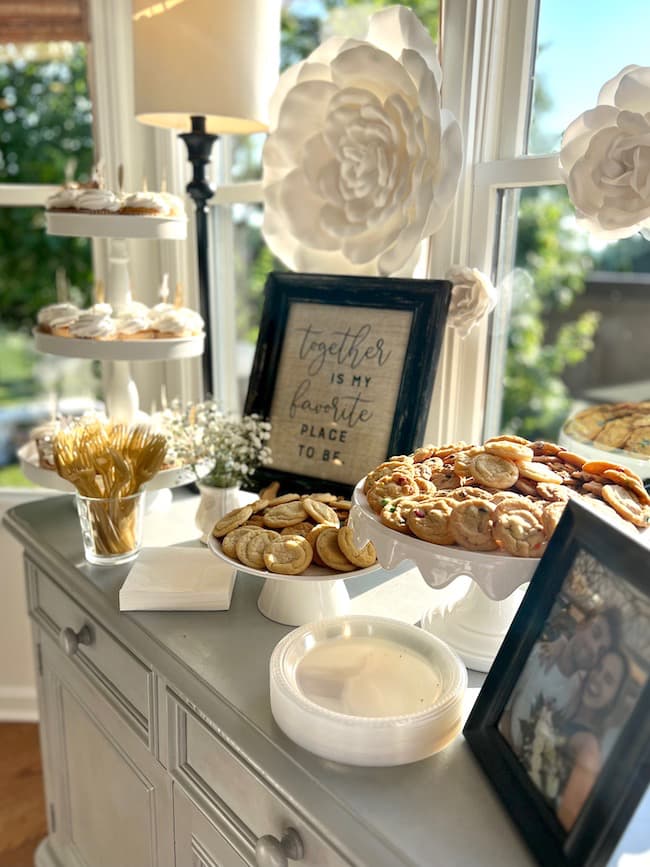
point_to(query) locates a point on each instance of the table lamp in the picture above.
(205, 67)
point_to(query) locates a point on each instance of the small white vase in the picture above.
(215, 503)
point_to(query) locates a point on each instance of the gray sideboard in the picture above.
(160, 749)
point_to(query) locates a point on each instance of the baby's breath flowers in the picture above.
(234, 446)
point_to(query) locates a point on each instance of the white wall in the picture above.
(17, 681)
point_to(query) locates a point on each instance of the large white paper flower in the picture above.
(472, 297)
(361, 162)
(605, 158)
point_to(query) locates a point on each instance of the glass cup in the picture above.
(111, 527)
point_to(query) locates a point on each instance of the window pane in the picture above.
(45, 113)
(45, 133)
(571, 327)
(580, 45)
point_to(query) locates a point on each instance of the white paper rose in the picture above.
(605, 158)
(472, 297)
(361, 163)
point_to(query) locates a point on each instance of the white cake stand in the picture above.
(298, 599)
(476, 625)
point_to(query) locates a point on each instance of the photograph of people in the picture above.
(556, 670)
(579, 686)
(585, 729)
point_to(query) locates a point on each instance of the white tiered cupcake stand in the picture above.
(476, 625)
(121, 394)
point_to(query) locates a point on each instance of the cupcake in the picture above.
(133, 326)
(145, 204)
(93, 326)
(100, 308)
(98, 201)
(175, 204)
(62, 314)
(64, 199)
(172, 324)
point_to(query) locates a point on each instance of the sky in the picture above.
(586, 42)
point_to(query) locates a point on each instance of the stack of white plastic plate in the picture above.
(367, 690)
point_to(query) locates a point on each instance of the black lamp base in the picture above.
(199, 150)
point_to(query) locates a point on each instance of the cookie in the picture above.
(520, 533)
(285, 498)
(395, 512)
(639, 440)
(229, 541)
(288, 555)
(495, 472)
(259, 505)
(613, 434)
(470, 524)
(467, 492)
(510, 450)
(538, 472)
(385, 469)
(389, 487)
(270, 492)
(233, 519)
(321, 498)
(361, 557)
(320, 512)
(572, 458)
(285, 514)
(251, 546)
(302, 529)
(627, 504)
(551, 516)
(430, 521)
(330, 552)
(552, 492)
(627, 480)
(445, 480)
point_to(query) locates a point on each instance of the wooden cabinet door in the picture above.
(112, 801)
(199, 843)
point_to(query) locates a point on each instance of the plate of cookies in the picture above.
(612, 431)
(292, 537)
(486, 511)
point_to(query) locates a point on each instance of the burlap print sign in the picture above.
(344, 370)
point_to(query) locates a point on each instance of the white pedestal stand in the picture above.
(295, 603)
(476, 625)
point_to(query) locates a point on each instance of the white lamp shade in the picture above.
(215, 58)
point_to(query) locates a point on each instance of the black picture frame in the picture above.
(626, 772)
(426, 300)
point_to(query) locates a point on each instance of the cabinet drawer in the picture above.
(123, 678)
(243, 803)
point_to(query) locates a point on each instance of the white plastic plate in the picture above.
(119, 350)
(497, 574)
(312, 573)
(367, 690)
(116, 226)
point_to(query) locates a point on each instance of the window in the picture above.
(45, 136)
(569, 303)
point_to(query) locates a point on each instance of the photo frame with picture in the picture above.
(344, 370)
(561, 726)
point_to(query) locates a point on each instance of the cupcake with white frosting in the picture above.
(56, 315)
(145, 204)
(98, 201)
(133, 326)
(64, 199)
(93, 326)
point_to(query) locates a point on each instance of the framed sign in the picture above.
(562, 724)
(344, 370)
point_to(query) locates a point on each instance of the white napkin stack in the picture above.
(177, 579)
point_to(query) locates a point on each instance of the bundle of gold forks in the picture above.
(109, 463)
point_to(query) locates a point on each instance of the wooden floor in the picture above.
(22, 808)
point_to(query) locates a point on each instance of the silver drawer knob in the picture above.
(271, 852)
(70, 640)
